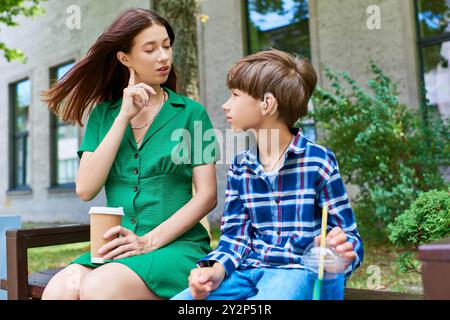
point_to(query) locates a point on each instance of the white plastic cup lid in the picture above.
(330, 258)
(106, 210)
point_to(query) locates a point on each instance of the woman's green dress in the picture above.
(153, 182)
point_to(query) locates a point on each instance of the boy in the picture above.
(275, 191)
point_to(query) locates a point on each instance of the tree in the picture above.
(9, 9)
(183, 16)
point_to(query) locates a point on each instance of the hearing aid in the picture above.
(264, 103)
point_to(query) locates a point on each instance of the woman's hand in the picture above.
(127, 246)
(135, 97)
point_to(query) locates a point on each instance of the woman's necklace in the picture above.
(285, 149)
(154, 116)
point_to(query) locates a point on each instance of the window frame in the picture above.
(13, 135)
(55, 124)
(422, 43)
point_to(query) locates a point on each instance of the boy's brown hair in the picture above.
(291, 79)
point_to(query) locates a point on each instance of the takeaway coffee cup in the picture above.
(102, 219)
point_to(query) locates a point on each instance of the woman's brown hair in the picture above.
(100, 76)
(291, 79)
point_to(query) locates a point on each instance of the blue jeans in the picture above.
(259, 284)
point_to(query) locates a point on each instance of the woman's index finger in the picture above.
(131, 81)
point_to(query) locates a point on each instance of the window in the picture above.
(433, 21)
(64, 142)
(283, 25)
(20, 128)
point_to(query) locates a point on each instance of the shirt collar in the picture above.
(174, 99)
(297, 146)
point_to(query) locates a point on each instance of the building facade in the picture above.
(409, 39)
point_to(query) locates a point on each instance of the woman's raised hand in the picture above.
(135, 97)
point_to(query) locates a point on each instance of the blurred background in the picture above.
(382, 106)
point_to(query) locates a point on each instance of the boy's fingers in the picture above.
(350, 255)
(194, 281)
(333, 233)
(347, 246)
(338, 239)
(198, 289)
(317, 240)
(205, 275)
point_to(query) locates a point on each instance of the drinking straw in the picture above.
(323, 235)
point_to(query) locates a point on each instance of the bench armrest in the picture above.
(42, 237)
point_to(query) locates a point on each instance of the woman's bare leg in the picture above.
(65, 285)
(115, 281)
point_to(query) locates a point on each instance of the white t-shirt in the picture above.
(272, 175)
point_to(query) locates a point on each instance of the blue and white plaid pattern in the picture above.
(265, 226)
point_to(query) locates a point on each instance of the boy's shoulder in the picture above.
(319, 151)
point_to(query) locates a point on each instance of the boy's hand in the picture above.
(337, 239)
(204, 280)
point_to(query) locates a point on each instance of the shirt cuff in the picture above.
(227, 260)
(357, 247)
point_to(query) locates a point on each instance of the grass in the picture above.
(379, 258)
(54, 257)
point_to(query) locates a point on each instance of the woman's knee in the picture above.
(90, 288)
(114, 281)
(98, 286)
(65, 285)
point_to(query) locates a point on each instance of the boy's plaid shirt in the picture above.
(271, 227)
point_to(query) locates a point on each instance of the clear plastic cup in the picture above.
(331, 285)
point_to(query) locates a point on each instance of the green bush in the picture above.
(389, 151)
(427, 220)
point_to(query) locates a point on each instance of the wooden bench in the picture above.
(23, 286)
(19, 284)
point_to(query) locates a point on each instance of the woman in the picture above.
(127, 148)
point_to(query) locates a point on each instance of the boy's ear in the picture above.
(269, 105)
